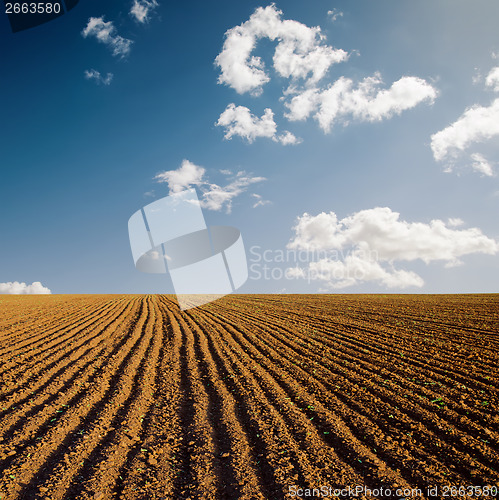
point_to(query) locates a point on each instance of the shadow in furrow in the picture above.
(57, 455)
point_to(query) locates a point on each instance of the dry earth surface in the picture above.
(126, 397)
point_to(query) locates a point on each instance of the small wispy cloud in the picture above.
(217, 197)
(334, 14)
(482, 165)
(105, 32)
(92, 74)
(260, 202)
(214, 197)
(141, 9)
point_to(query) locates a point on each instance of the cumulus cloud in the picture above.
(16, 288)
(92, 74)
(141, 9)
(366, 245)
(302, 56)
(355, 269)
(105, 32)
(478, 124)
(239, 121)
(300, 52)
(186, 176)
(365, 102)
(214, 197)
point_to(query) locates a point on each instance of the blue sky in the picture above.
(398, 131)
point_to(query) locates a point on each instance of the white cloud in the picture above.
(365, 246)
(287, 138)
(334, 14)
(260, 202)
(303, 104)
(93, 74)
(481, 164)
(492, 79)
(477, 77)
(141, 9)
(366, 102)
(16, 288)
(455, 222)
(187, 175)
(300, 52)
(302, 56)
(105, 32)
(355, 269)
(239, 121)
(478, 124)
(214, 196)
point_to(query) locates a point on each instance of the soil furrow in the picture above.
(248, 397)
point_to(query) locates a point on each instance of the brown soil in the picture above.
(126, 397)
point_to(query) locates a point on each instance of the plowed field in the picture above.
(254, 397)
